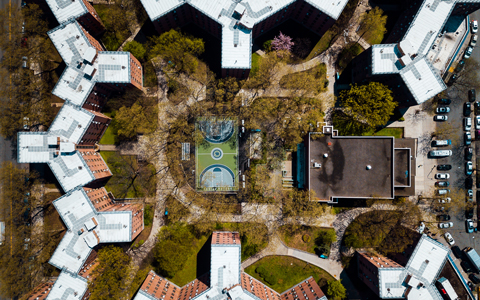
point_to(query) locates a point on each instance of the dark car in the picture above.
(476, 107)
(457, 252)
(460, 66)
(468, 153)
(442, 183)
(469, 213)
(467, 109)
(444, 101)
(444, 167)
(453, 79)
(474, 278)
(472, 95)
(444, 217)
(477, 134)
(468, 182)
(466, 267)
(470, 285)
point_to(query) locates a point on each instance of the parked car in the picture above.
(440, 153)
(442, 183)
(452, 79)
(472, 95)
(440, 143)
(445, 225)
(440, 118)
(468, 153)
(467, 124)
(469, 183)
(444, 217)
(470, 195)
(468, 138)
(446, 200)
(444, 167)
(469, 213)
(457, 252)
(473, 41)
(444, 100)
(467, 109)
(469, 225)
(468, 52)
(477, 122)
(476, 107)
(443, 191)
(449, 238)
(470, 286)
(474, 278)
(24, 62)
(442, 110)
(461, 65)
(466, 267)
(477, 134)
(442, 176)
(468, 168)
(474, 25)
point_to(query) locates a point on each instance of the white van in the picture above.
(440, 153)
(440, 143)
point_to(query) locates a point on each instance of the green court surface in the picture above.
(216, 155)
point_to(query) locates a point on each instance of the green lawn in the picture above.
(293, 239)
(255, 61)
(396, 132)
(322, 44)
(189, 271)
(108, 137)
(285, 272)
(319, 72)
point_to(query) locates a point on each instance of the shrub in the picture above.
(267, 46)
(136, 49)
(401, 119)
(306, 238)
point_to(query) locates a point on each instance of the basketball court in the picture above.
(216, 154)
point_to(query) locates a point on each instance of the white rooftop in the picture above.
(71, 123)
(420, 273)
(68, 287)
(71, 43)
(422, 79)
(112, 67)
(236, 41)
(73, 86)
(67, 9)
(77, 211)
(33, 148)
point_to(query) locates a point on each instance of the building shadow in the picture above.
(203, 262)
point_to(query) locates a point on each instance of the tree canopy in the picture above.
(136, 49)
(336, 290)
(371, 104)
(179, 50)
(372, 27)
(110, 274)
(140, 118)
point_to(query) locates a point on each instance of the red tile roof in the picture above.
(225, 238)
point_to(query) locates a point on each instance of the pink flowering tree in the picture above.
(282, 43)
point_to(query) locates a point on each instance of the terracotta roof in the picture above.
(225, 238)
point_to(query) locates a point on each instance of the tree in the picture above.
(136, 49)
(467, 79)
(131, 179)
(110, 274)
(180, 51)
(139, 118)
(371, 104)
(282, 43)
(173, 249)
(372, 26)
(268, 69)
(116, 26)
(326, 237)
(336, 290)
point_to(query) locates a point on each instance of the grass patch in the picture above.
(296, 237)
(255, 64)
(149, 75)
(109, 137)
(325, 41)
(283, 272)
(396, 132)
(348, 54)
(370, 229)
(189, 271)
(319, 72)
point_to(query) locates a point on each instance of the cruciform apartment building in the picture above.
(238, 22)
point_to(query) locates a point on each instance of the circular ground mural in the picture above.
(217, 153)
(217, 176)
(218, 131)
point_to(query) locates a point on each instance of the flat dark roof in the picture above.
(344, 174)
(402, 167)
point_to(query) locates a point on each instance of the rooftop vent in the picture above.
(369, 167)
